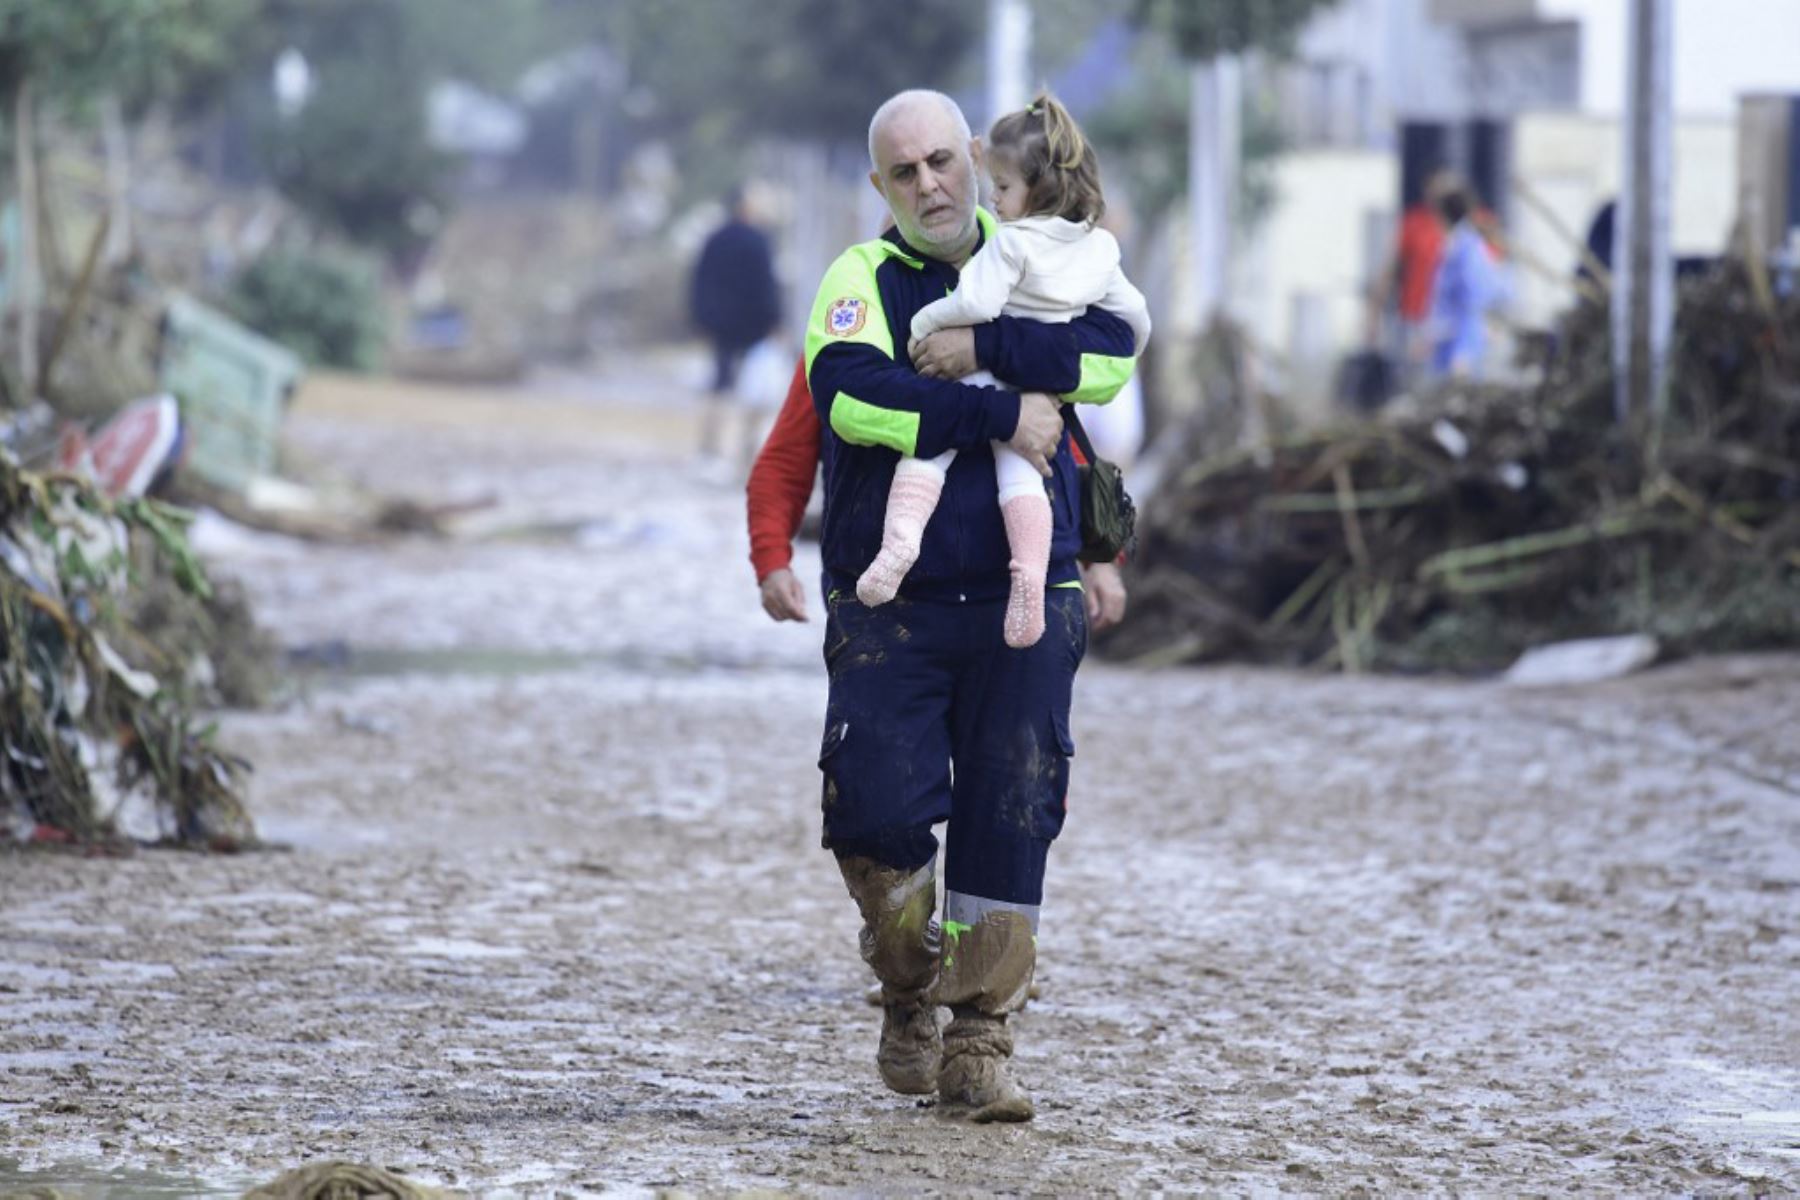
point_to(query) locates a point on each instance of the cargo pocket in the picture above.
(1053, 794)
(836, 732)
(835, 637)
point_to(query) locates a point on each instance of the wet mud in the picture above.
(570, 930)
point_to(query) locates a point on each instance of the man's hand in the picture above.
(946, 354)
(782, 596)
(1103, 587)
(1039, 430)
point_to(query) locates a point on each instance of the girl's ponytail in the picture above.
(1060, 170)
(1062, 135)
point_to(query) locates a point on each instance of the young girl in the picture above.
(1046, 261)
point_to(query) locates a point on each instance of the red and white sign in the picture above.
(128, 451)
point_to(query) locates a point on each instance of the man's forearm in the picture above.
(869, 400)
(1086, 359)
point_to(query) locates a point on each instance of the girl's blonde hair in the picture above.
(1053, 159)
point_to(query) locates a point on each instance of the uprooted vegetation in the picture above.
(1481, 520)
(98, 729)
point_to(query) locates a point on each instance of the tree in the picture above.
(358, 156)
(1210, 34)
(1203, 30)
(74, 50)
(824, 67)
(710, 79)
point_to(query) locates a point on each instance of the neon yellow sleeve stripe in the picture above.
(1073, 583)
(863, 424)
(1102, 375)
(848, 305)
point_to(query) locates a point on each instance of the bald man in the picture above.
(932, 718)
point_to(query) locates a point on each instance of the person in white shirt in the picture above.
(1048, 261)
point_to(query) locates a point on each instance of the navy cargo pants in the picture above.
(933, 718)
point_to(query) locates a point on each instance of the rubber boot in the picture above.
(876, 996)
(975, 1076)
(900, 942)
(912, 498)
(1028, 529)
(987, 974)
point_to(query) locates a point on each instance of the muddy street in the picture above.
(552, 916)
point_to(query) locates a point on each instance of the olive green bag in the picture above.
(1108, 517)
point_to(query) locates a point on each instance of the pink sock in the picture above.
(1028, 527)
(912, 498)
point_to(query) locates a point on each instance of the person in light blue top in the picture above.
(1468, 286)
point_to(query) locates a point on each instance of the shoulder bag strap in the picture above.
(1073, 421)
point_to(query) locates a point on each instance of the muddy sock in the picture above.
(912, 499)
(1028, 527)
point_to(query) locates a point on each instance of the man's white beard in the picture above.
(947, 243)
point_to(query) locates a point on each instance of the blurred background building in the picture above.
(1525, 99)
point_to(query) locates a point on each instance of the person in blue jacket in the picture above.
(931, 717)
(1469, 284)
(735, 301)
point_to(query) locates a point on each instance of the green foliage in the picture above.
(167, 527)
(1205, 29)
(324, 305)
(484, 42)
(1199, 31)
(137, 49)
(1142, 132)
(357, 157)
(821, 68)
(1143, 138)
(709, 78)
(66, 692)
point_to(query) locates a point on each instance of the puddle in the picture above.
(457, 948)
(333, 661)
(91, 1183)
(1754, 1110)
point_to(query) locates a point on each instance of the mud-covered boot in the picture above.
(900, 940)
(975, 1077)
(875, 998)
(911, 1048)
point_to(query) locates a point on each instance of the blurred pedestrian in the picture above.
(779, 489)
(1405, 285)
(930, 716)
(736, 302)
(1600, 234)
(1468, 286)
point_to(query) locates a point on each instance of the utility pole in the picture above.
(1008, 57)
(1214, 99)
(25, 286)
(1644, 281)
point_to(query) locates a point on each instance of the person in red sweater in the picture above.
(781, 483)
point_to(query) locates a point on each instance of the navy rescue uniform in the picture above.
(931, 716)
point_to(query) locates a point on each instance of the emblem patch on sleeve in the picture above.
(845, 317)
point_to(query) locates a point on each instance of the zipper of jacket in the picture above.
(962, 532)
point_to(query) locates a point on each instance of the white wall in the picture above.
(1315, 243)
(1571, 163)
(1722, 48)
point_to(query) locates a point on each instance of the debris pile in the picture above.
(97, 728)
(343, 1181)
(1484, 520)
